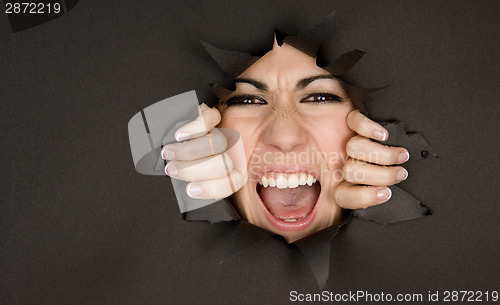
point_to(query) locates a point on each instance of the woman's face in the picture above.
(291, 115)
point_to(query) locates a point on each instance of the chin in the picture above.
(287, 200)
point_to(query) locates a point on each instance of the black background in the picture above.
(80, 226)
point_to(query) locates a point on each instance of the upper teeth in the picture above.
(287, 180)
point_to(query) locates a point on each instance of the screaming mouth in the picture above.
(289, 200)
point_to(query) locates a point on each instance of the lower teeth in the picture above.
(292, 219)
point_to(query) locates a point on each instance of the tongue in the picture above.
(290, 203)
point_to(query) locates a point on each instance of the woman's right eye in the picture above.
(245, 100)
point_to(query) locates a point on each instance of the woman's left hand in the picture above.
(368, 171)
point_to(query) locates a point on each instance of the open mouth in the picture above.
(289, 199)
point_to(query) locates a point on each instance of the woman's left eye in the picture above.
(321, 98)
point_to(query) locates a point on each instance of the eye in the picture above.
(245, 100)
(321, 98)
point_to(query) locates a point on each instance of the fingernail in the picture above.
(380, 135)
(182, 136)
(193, 190)
(384, 194)
(403, 157)
(171, 170)
(168, 154)
(402, 174)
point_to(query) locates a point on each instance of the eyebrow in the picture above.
(255, 83)
(301, 84)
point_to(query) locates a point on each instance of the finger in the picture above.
(351, 196)
(210, 144)
(359, 172)
(216, 188)
(203, 169)
(207, 119)
(362, 125)
(363, 149)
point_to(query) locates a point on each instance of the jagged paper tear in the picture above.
(414, 142)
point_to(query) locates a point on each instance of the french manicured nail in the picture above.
(384, 194)
(403, 157)
(171, 170)
(182, 136)
(193, 190)
(380, 135)
(168, 154)
(402, 174)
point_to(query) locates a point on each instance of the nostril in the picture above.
(285, 135)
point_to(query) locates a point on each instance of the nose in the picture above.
(284, 131)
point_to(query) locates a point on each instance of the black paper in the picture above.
(80, 226)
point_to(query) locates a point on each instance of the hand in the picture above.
(212, 159)
(366, 172)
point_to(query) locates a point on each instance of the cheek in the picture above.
(335, 137)
(331, 133)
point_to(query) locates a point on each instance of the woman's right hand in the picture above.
(204, 158)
